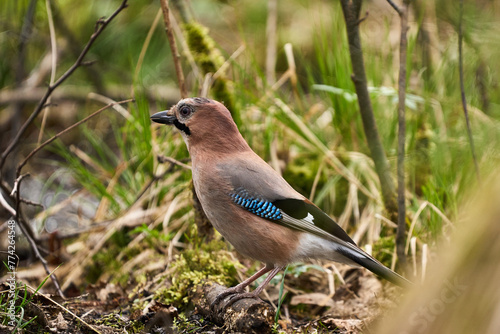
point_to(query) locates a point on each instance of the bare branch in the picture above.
(27, 201)
(173, 47)
(99, 28)
(6, 205)
(15, 189)
(403, 47)
(34, 246)
(27, 233)
(362, 19)
(351, 11)
(396, 8)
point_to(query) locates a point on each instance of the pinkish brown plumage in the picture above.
(251, 205)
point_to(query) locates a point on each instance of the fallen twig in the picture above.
(34, 291)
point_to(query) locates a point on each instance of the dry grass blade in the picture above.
(424, 261)
(413, 246)
(316, 180)
(53, 44)
(271, 37)
(64, 309)
(145, 45)
(332, 159)
(105, 201)
(413, 223)
(106, 100)
(75, 268)
(367, 218)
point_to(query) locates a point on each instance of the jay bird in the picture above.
(251, 205)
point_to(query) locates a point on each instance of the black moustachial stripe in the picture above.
(182, 127)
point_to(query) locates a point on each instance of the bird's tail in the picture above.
(380, 270)
(365, 260)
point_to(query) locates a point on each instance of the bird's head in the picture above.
(204, 124)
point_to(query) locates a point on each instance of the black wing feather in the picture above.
(300, 209)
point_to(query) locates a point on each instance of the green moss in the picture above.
(208, 261)
(209, 59)
(113, 320)
(136, 326)
(182, 324)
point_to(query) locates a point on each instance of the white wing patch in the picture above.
(309, 218)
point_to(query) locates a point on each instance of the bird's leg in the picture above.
(240, 287)
(237, 291)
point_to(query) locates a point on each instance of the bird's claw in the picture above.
(237, 294)
(234, 298)
(224, 294)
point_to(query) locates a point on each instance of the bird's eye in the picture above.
(185, 110)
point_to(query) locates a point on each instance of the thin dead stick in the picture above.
(16, 184)
(33, 290)
(100, 26)
(173, 47)
(6, 205)
(162, 158)
(27, 201)
(28, 233)
(16, 212)
(462, 88)
(20, 166)
(396, 8)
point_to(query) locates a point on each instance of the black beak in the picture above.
(163, 117)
